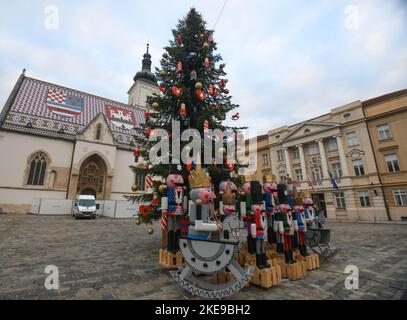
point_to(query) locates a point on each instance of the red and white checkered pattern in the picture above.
(56, 96)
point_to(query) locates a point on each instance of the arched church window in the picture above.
(51, 180)
(38, 166)
(98, 131)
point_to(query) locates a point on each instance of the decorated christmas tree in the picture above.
(194, 94)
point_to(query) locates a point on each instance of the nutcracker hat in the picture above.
(281, 193)
(306, 194)
(270, 178)
(199, 178)
(257, 195)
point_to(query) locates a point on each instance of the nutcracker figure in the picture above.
(258, 224)
(201, 205)
(300, 226)
(309, 209)
(288, 232)
(246, 214)
(173, 206)
(227, 206)
(271, 201)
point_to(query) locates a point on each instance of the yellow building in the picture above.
(386, 118)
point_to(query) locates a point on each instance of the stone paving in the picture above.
(115, 259)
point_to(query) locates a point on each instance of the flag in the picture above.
(333, 181)
(311, 184)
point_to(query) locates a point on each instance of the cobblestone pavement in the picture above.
(115, 259)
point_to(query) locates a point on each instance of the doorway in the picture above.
(319, 202)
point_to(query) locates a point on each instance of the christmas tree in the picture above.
(194, 93)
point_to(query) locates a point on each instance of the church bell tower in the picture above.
(145, 83)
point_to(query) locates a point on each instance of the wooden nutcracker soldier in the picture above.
(201, 206)
(246, 213)
(173, 206)
(258, 225)
(309, 209)
(300, 226)
(271, 201)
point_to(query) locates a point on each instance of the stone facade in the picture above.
(338, 143)
(387, 122)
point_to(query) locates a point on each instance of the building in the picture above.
(58, 142)
(386, 118)
(338, 143)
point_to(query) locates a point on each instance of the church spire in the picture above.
(145, 73)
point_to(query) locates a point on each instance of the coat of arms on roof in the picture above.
(121, 118)
(64, 105)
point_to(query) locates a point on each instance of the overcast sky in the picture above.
(287, 61)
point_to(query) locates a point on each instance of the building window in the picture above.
(313, 149)
(282, 176)
(140, 180)
(295, 153)
(340, 200)
(298, 174)
(392, 162)
(38, 166)
(384, 132)
(265, 159)
(337, 169)
(352, 139)
(364, 199)
(98, 131)
(332, 145)
(400, 197)
(316, 175)
(358, 166)
(280, 155)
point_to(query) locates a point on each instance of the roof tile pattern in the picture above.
(30, 105)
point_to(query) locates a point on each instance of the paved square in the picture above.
(115, 259)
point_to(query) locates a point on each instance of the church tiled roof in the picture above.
(40, 107)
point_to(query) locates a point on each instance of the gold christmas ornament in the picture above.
(162, 188)
(199, 178)
(206, 45)
(162, 73)
(155, 105)
(138, 222)
(198, 86)
(134, 188)
(150, 231)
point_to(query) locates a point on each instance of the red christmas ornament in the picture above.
(146, 114)
(136, 155)
(148, 131)
(201, 94)
(163, 88)
(222, 83)
(176, 91)
(183, 110)
(189, 165)
(179, 39)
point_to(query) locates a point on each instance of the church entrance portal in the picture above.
(92, 177)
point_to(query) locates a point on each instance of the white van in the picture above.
(84, 206)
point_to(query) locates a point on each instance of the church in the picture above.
(57, 142)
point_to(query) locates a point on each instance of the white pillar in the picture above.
(323, 158)
(302, 161)
(342, 156)
(288, 162)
